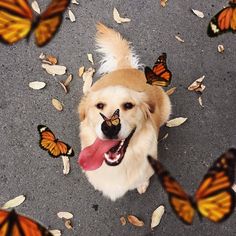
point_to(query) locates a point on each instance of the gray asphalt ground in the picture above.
(188, 151)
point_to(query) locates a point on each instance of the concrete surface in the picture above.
(187, 152)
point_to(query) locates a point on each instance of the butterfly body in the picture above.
(159, 75)
(223, 21)
(114, 120)
(214, 198)
(17, 21)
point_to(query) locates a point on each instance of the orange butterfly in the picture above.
(54, 146)
(214, 198)
(114, 120)
(17, 21)
(223, 21)
(159, 75)
(12, 224)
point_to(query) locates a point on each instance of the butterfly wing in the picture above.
(50, 21)
(16, 19)
(223, 21)
(215, 198)
(159, 75)
(179, 200)
(12, 224)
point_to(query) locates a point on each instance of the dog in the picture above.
(114, 157)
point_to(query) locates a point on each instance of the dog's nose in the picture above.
(111, 127)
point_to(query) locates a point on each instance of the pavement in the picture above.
(188, 151)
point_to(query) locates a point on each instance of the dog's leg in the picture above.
(143, 187)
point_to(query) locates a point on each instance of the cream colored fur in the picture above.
(123, 83)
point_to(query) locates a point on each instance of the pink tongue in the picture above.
(91, 157)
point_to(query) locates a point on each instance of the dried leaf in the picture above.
(234, 187)
(42, 56)
(197, 85)
(37, 85)
(157, 215)
(198, 13)
(71, 16)
(170, 91)
(57, 104)
(66, 165)
(135, 221)
(122, 220)
(90, 58)
(176, 122)
(68, 224)
(55, 232)
(200, 101)
(54, 69)
(35, 7)
(14, 202)
(68, 80)
(164, 137)
(163, 2)
(179, 39)
(87, 74)
(81, 71)
(118, 18)
(220, 48)
(88, 80)
(63, 86)
(51, 59)
(75, 2)
(65, 215)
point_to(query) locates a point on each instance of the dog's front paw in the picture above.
(143, 187)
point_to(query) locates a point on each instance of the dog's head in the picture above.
(119, 95)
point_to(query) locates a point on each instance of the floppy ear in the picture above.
(82, 108)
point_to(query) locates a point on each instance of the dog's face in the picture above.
(132, 109)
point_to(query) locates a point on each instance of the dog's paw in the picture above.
(143, 187)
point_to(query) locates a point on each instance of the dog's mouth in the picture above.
(115, 155)
(110, 150)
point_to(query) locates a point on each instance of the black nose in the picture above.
(112, 131)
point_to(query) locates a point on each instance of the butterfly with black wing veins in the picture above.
(214, 198)
(17, 21)
(159, 75)
(223, 21)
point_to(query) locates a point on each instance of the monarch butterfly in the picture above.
(17, 21)
(13, 224)
(159, 75)
(114, 120)
(54, 146)
(214, 198)
(223, 21)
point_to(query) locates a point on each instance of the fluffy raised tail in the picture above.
(116, 51)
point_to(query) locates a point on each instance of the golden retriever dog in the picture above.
(114, 157)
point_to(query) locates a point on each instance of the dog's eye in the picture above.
(128, 106)
(100, 105)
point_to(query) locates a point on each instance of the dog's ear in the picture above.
(82, 108)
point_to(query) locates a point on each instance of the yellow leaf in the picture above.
(118, 18)
(157, 215)
(14, 202)
(176, 122)
(57, 104)
(135, 221)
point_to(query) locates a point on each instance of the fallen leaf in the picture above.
(87, 74)
(118, 18)
(163, 2)
(90, 58)
(176, 122)
(88, 79)
(171, 91)
(68, 80)
(234, 187)
(42, 56)
(57, 104)
(75, 2)
(220, 48)
(156, 216)
(37, 85)
(63, 86)
(122, 220)
(197, 85)
(66, 165)
(55, 232)
(179, 39)
(164, 137)
(68, 224)
(135, 221)
(200, 101)
(65, 215)
(54, 69)
(81, 71)
(14, 202)
(51, 59)
(71, 16)
(198, 13)
(35, 7)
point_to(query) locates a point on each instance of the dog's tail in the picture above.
(116, 51)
